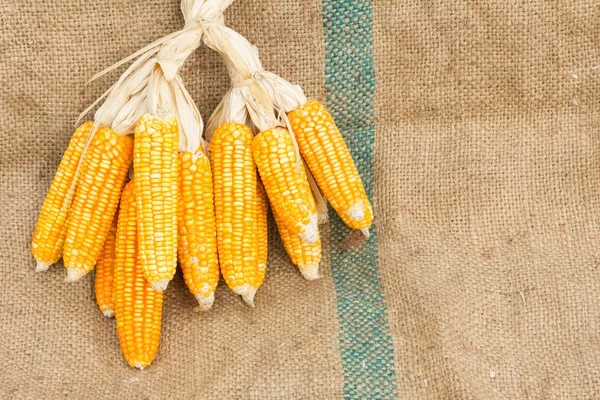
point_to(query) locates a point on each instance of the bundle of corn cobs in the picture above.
(139, 189)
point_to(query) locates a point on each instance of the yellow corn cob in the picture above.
(138, 307)
(103, 172)
(328, 158)
(285, 184)
(262, 231)
(105, 267)
(197, 245)
(51, 228)
(234, 179)
(155, 169)
(305, 256)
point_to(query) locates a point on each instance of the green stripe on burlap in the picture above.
(365, 343)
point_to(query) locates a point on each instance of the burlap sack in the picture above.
(474, 125)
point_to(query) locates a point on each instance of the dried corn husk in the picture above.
(256, 95)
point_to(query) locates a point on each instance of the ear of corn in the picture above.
(138, 307)
(262, 231)
(197, 246)
(285, 183)
(51, 228)
(103, 172)
(234, 179)
(155, 169)
(103, 278)
(304, 255)
(328, 158)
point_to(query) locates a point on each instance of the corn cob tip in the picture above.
(311, 230)
(205, 302)
(161, 285)
(108, 313)
(247, 291)
(140, 365)
(249, 296)
(42, 266)
(356, 211)
(311, 272)
(74, 274)
(365, 231)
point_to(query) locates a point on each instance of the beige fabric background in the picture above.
(487, 184)
(487, 201)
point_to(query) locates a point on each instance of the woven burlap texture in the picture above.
(488, 200)
(487, 159)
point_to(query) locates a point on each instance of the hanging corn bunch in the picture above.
(311, 130)
(151, 102)
(167, 209)
(204, 205)
(148, 124)
(273, 148)
(260, 95)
